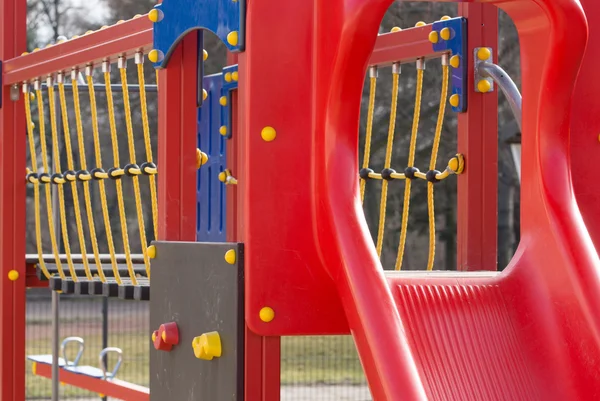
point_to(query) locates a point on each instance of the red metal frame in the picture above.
(477, 206)
(124, 39)
(406, 46)
(12, 203)
(118, 389)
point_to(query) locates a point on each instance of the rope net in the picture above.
(385, 147)
(91, 129)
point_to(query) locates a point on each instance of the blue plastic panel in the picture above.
(211, 224)
(457, 46)
(182, 16)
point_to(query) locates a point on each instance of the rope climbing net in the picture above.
(389, 176)
(93, 184)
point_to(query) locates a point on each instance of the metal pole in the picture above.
(55, 345)
(506, 84)
(105, 331)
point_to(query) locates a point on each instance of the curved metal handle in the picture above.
(63, 349)
(506, 84)
(102, 356)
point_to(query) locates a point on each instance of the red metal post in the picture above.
(12, 219)
(478, 141)
(177, 130)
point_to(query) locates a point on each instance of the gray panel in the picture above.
(195, 287)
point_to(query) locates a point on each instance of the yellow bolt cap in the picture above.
(234, 75)
(395, 29)
(420, 23)
(151, 251)
(484, 54)
(223, 101)
(204, 55)
(232, 38)
(455, 100)
(155, 15)
(445, 18)
(227, 77)
(222, 176)
(164, 336)
(484, 86)
(36, 49)
(24, 53)
(201, 158)
(204, 94)
(266, 314)
(453, 164)
(268, 134)
(153, 337)
(13, 275)
(446, 33)
(155, 56)
(455, 61)
(230, 256)
(434, 37)
(223, 130)
(207, 346)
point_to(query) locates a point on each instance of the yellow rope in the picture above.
(40, 103)
(118, 183)
(74, 190)
(142, 83)
(388, 160)
(434, 153)
(136, 183)
(86, 184)
(61, 190)
(370, 112)
(411, 162)
(98, 155)
(36, 188)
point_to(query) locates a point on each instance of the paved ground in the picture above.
(304, 393)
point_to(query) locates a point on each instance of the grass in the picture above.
(304, 361)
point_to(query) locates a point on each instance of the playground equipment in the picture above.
(292, 254)
(89, 377)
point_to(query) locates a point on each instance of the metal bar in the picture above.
(55, 345)
(114, 88)
(506, 84)
(126, 39)
(403, 46)
(77, 258)
(105, 332)
(477, 193)
(13, 40)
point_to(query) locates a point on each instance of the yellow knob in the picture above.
(455, 61)
(227, 77)
(434, 37)
(207, 346)
(204, 55)
(232, 38)
(395, 29)
(445, 33)
(223, 130)
(420, 23)
(234, 75)
(223, 101)
(155, 56)
(13, 275)
(484, 86)
(222, 176)
(266, 314)
(484, 54)
(204, 94)
(154, 337)
(151, 252)
(230, 256)
(154, 15)
(445, 18)
(455, 100)
(268, 134)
